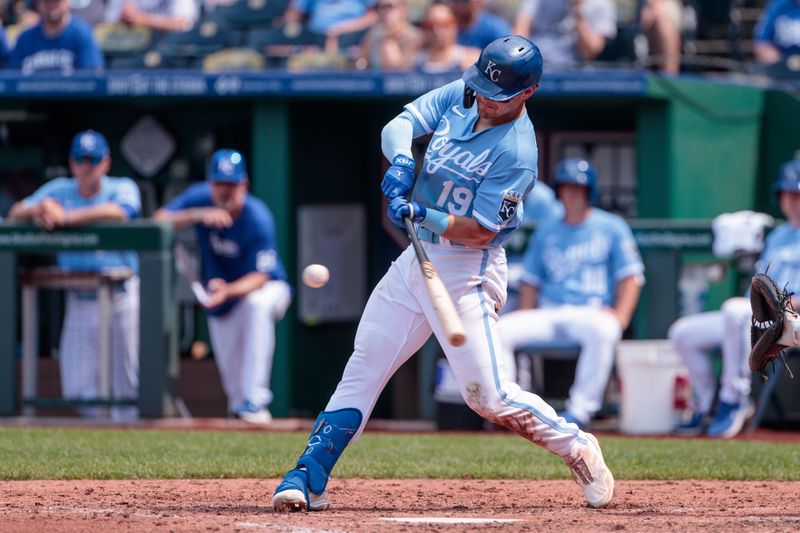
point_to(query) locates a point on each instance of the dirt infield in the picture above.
(397, 505)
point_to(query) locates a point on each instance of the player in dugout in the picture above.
(479, 166)
(246, 282)
(89, 197)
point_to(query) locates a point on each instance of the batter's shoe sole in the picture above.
(294, 501)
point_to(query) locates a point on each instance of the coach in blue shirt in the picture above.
(244, 279)
(60, 43)
(777, 33)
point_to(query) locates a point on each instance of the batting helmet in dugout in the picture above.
(577, 172)
(788, 177)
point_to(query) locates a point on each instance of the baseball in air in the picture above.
(316, 276)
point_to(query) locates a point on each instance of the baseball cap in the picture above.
(89, 143)
(227, 166)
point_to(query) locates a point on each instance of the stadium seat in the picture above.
(234, 59)
(116, 38)
(187, 49)
(245, 14)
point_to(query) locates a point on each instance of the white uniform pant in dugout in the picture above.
(597, 332)
(80, 349)
(729, 329)
(399, 318)
(244, 343)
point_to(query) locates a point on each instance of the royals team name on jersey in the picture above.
(581, 264)
(49, 60)
(484, 175)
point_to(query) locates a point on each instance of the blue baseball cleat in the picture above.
(572, 419)
(694, 426)
(730, 419)
(293, 494)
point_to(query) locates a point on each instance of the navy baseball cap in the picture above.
(89, 143)
(505, 68)
(227, 166)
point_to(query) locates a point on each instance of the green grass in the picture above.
(36, 453)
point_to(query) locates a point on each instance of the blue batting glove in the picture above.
(398, 179)
(399, 208)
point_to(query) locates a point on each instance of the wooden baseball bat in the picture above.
(437, 292)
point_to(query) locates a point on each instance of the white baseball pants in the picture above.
(597, 332)
(244, 343)
(79, 354)
(399, 318)
(729, 328)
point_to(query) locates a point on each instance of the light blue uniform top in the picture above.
(581, 264)
(782, 256)
(484, 175)
(121, 191)
(542, 205)
(780, 25)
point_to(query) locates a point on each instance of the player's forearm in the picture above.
(246, 284)
(627, 298)
(20, 213)
(396, 137)
(528, 296)
(589, 43)
(99, 213)
(182, 219)
(165, 22)
(467, 231)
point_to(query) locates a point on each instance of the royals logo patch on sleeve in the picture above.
(509, 206)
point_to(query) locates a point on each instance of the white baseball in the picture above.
(316, 276)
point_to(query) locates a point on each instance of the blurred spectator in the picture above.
(3, 46)
(393, 43)
(660, 20)
(325, 21)
(476, 26)
(91, 11)
(567, 31)
(441, 51)
(159, 15)
(777, 33)
(60, 42)
(91, 196)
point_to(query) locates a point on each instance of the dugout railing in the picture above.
(158, 362)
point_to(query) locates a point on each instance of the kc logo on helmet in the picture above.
(492, 71)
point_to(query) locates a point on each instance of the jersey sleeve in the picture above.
(89, 56)
(765, 28)
(128, 197)
(498, 199)
(533, 268)
(261, 254)
(427, 110)
(198, 195)
(625, 258)
(52, 189)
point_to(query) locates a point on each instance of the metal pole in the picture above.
(30, 345)
(105, 323)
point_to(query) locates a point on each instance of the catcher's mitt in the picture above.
(769, 304)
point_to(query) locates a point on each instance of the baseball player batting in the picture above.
(244, 280)
(479, 166)
(91, 197)
(729, 328)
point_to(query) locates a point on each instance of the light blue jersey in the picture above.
(781, 256)
(121, 191)
(542, 205)
(484, 175)
(581, 264)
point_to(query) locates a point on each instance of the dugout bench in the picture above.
(158, 361)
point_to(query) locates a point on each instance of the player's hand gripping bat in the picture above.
(440, 298)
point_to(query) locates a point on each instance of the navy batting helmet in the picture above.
(788, 177)
(505, 68)
(578, 172)
(227, 166)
